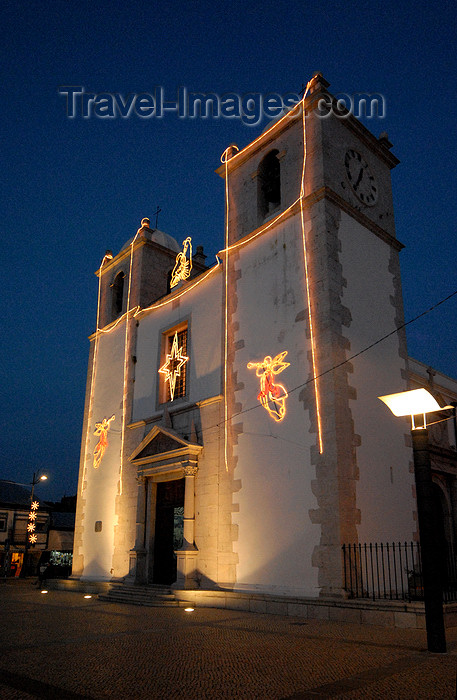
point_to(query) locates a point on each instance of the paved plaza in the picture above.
(62, 645)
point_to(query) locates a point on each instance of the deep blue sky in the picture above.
(73, 188)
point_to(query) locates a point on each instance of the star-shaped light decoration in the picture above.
(172, 367)
(33, 539)
(32, 515)
(35, 505)
(31, 527)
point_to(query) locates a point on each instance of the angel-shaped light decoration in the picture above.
(101, 430)
(272, 396)
(183, 265)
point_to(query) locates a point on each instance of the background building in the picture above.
(14, 538)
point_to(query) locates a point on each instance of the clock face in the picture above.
(360, 178)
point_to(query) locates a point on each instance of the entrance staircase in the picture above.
(152, 595)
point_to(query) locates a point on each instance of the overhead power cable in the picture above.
(357, 354)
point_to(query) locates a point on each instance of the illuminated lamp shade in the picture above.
(411, 403)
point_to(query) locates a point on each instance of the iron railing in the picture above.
(393, 571)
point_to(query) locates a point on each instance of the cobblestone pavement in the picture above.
(61, 645)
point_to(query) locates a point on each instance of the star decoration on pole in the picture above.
(35, 505)
(173, 365)
(33, 539)
(31, 527)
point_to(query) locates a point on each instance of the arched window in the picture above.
(169, 276)
(268, 184)
(117, 295)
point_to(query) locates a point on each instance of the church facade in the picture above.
(233, 438)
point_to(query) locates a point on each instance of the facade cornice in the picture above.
(187, 286)
(209, 401)
(125, 253)
(309, 201)
(187, 446)
(176, 456)
(359, 216)
(182, 408)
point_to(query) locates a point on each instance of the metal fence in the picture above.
(393, 571)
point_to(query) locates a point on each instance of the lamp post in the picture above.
(37, 477)
(413, 403)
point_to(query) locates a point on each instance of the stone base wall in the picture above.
(363, 612)
(382, 613)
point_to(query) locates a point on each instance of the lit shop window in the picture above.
(174, 365)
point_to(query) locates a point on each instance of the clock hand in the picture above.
(359, 179)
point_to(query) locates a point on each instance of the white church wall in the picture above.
(384, 488)
(102, 483)
(275, 535)
(201, 308)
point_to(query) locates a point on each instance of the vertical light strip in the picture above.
(224, 159)
(94, 359)
(126, 347)
(225, 155)
(308, 293)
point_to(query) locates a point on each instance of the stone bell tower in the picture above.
(313, 269)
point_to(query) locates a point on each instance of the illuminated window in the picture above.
(268, 185)
(173, 369)
(117, 295)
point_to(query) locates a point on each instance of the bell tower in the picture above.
(313, 269)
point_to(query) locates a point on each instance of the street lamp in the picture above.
(413, 403)
(35, 480)
(37, 477)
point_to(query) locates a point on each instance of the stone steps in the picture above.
(152, 596)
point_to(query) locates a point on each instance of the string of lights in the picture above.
(126, 364)
(225, 158)
(308, 291)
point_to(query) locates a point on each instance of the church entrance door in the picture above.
(168, 530)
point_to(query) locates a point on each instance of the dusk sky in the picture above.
(74, 187)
